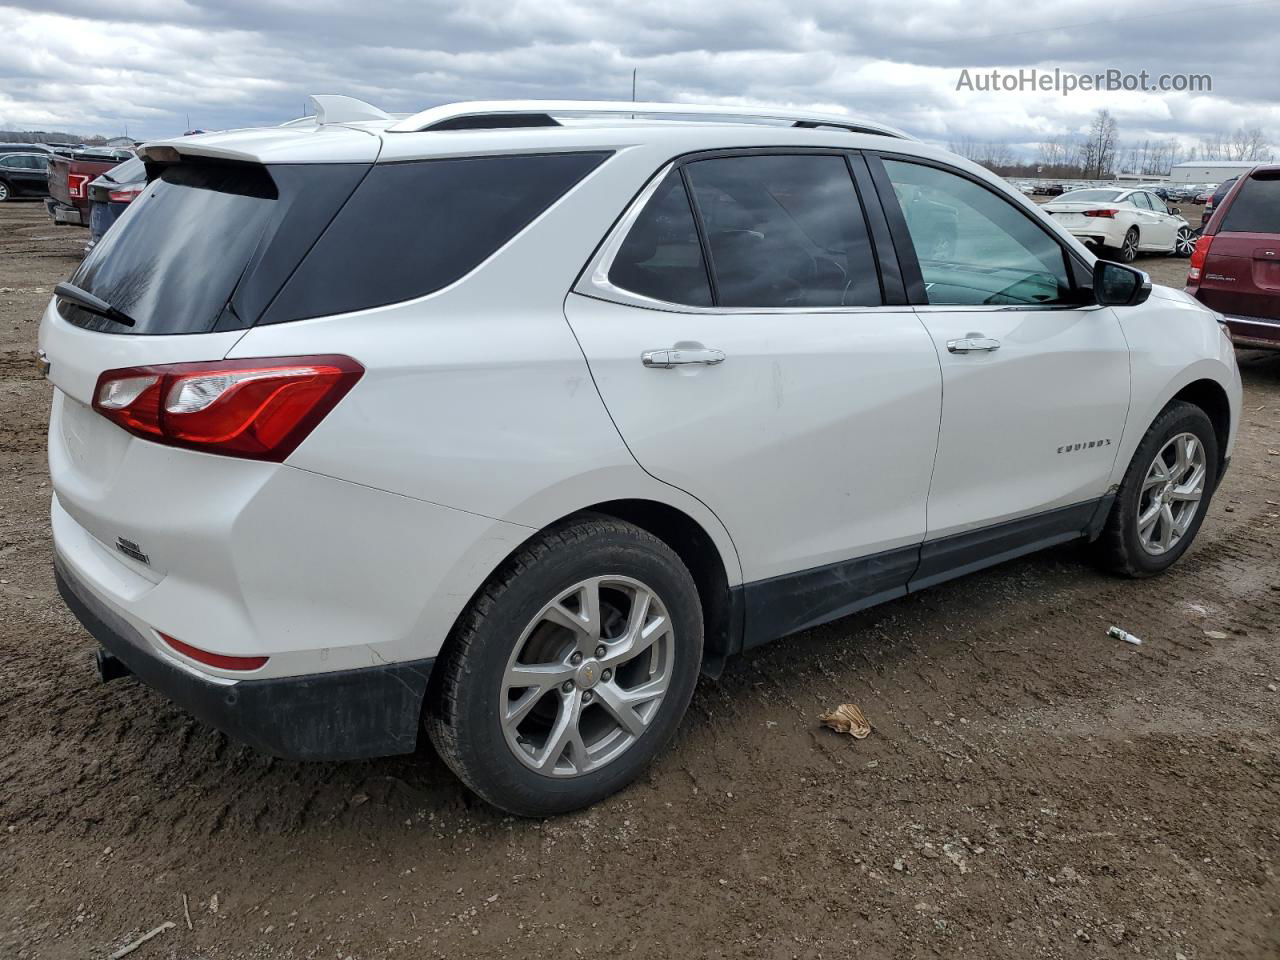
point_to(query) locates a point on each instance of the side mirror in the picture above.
(1115, 285)
(1176, 211)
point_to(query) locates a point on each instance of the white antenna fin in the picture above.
(333, 108)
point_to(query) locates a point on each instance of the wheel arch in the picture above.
(721, 617)
(1210, 397)
(693, 544)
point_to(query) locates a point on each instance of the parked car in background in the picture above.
(24, 175)
(111, 194)
(23, 148)
(1123, 221)
(1212, 198)
(1235, 268)
(474, 419)
(69, 178)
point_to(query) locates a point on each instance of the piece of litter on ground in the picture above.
(1124, 635)
(847, 718)
(1215, 635)
(128, 948)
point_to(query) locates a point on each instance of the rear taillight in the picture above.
(260, 409)
(76, 183)
(1198, 257)
(126, 195)
(219, 660)
(1108, 213)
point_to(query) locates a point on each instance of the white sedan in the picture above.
(1127, 222)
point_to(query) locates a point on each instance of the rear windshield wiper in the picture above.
(87, 301)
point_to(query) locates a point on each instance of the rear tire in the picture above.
(534, 621)
(5, 192)
(1127, 252)
(1185, 243)
(1130, 544)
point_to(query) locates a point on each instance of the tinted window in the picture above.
(178, 250)
(661, 257)
(412, 228)
(784, 231)
(974, 246)
(127, 172)
(1091, 196)
(207, 245)
(1256, 208)
(1222, 190)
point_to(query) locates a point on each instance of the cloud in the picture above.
(95, 67)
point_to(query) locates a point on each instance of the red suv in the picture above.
(1235, 268)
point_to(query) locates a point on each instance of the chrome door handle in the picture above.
(973, 345)
(679, 356)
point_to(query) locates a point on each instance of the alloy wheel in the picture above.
(1171, 493)
(587, 676)
(4, 192)
(1185, 242)
(1130, 249)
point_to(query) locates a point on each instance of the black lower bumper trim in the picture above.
(343, 715)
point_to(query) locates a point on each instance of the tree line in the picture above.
(1100, 154)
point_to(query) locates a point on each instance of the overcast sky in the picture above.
(93, 66)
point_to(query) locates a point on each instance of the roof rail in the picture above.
(332, 108)
(492, 114)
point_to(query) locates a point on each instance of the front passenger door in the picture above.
(1035, 385)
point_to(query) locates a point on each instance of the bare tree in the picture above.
(1250, 144)
(1101, 146)
(967, 147)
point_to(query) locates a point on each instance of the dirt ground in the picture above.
(1033, 788)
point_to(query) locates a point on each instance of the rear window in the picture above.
(1091, 196)
(415, 227)
(127, 172)
(177, 252)
(1256, 207)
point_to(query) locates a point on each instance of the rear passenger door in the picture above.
(756, 352)
(1155, 228)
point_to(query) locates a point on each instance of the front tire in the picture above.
(5, 192)
(570, 670)
(1164, 495)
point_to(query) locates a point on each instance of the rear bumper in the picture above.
(343, 715)
(1096, 235)
(64, 213)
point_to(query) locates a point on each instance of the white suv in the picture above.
(507, 419)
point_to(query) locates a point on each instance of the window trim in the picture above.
(594, 282)
(1078, 271)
